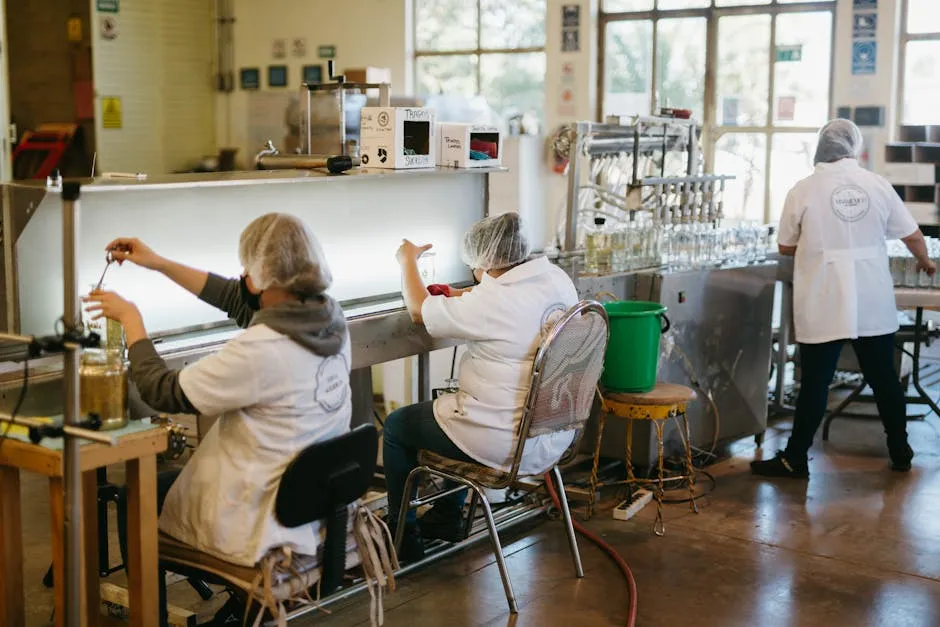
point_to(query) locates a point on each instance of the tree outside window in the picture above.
(493, 48)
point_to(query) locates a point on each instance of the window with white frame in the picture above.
(495, 48)
(756, 73)
(920, 54)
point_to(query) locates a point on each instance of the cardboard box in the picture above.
(398, 138)
(457, 140)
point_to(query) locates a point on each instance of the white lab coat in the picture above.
(838, 218)
(273, 398)
(503, 320)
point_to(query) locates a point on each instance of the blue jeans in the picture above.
(407, 431)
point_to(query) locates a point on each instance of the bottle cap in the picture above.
(599, 221)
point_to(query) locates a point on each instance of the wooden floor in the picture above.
(856, 545)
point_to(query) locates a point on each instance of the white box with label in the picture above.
(398, 138)
(458, 140)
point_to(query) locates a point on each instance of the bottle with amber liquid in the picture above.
(103, 375)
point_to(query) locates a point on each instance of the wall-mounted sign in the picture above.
(73, 28)
(865, 4)
(108, 6)
(789, 54)
(250, 78)
(571, 16)
(279, 49)
(326, 52)
(569, 40)
(864, 57)
(277, 76)
(109, 27)
(864, 25)
(312, 74)
(111, 113)
(299, 47)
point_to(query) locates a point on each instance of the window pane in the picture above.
(512, 23)
(669, 5)
(681, 59)
(802, 86)
(612, 6)
(733, 3)
(743, 70)
(628, 67)
(514, 83)
(743, 155)
(445, 25)
(921, 82)
(923, 16)
(446, 75)
(791, 159)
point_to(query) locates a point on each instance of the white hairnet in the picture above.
(838, 139)
(279, 250)
(495, 243)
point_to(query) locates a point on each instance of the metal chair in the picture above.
(319, 484)
(563, 384)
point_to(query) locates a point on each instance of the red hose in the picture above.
(624, 568)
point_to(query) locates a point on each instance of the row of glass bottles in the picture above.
(903, 265)
(641, 243)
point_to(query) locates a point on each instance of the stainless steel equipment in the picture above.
(721, 322)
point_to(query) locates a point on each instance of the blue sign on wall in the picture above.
(865, 4)
(864, 57)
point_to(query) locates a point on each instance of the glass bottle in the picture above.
(103, 375)
(598, 251)
(620, 238)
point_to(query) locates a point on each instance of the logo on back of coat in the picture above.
(850, 203)
(332, 383)
(551, 316)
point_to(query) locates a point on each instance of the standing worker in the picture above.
(835, 222)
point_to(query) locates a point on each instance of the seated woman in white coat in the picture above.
(502, 319)
(277, 388)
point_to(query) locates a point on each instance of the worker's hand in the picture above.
(408, 251)
(133, 250)
(109, 305)
(930, 267)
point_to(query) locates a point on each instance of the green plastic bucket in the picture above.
(633, 350)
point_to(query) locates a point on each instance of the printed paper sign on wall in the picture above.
(864, 25)
(111, 114)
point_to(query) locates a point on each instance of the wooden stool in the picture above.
(665, 401)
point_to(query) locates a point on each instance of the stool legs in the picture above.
(689, 467)
(659, 527)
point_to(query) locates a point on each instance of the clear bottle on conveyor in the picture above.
(598, 254)
(619, 246)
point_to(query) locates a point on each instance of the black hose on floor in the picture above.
(611, 551)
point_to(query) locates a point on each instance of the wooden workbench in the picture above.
(138, 446)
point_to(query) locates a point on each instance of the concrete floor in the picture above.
(856, 545)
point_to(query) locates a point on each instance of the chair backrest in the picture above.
(326, 475)
(565, 374)
(321, 483)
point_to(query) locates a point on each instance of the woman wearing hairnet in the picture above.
(501, 319)
(835, 222)
(278, 387)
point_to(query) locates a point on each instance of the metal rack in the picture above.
(650, 164)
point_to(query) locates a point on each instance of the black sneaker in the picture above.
(443, 522)
(780, 466)
(901, 459)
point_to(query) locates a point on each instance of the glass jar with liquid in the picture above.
(103, 375)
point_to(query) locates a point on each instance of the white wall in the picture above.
(161, 67)
(879, 89)
(364, 32)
